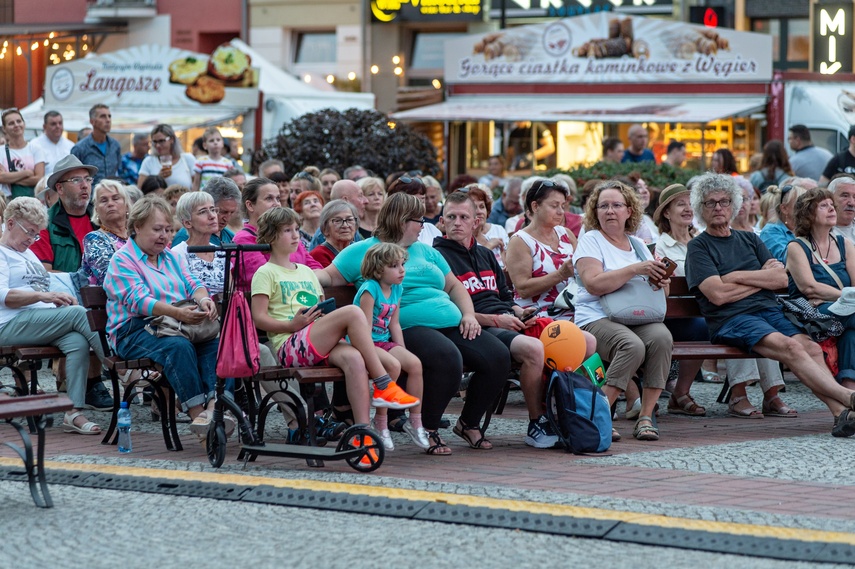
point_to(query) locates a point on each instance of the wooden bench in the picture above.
(95, 300)
(24, 362)
(683, 304)
(36, 408)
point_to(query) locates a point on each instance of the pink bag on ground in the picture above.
(238, 354)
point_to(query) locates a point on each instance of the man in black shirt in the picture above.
(841, 163)
(476, 267)
(734, 277)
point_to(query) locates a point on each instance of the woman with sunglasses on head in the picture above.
(302, 182)
(414, 186)
(540, 255)
(167, 159)
(607, 258)
(776, 235)
(22, 165)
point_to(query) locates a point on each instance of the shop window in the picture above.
(429, 50)
(316, 47)
(790, 41)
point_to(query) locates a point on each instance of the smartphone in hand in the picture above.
(670, 267)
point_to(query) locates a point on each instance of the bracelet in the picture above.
(206, 298)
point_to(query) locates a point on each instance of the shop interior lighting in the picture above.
(351, 76)
(330, 79)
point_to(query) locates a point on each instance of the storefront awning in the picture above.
(130, 120)
(609, 109)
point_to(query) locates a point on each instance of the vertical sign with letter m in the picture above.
(831, 37)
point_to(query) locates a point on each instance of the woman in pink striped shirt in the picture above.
(144, 279)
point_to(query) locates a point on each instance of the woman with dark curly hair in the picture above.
(605, 260)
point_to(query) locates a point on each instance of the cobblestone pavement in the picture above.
(774, 472)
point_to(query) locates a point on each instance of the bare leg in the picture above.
(350, 361)
(805, 359)
(529, 352)
(347, 321)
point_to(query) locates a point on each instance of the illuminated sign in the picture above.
(425, 10)
(831, 31)
(567, 8)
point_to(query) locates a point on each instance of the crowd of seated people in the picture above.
(455, 283)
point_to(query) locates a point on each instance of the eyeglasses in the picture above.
(339, 222)
(617, 206)
(419, 221)
(785, 190)
(160, 140)
(34, 235)
(710, 204)
(410, 180)
(208, 211)
(304, 176)
(78, 180)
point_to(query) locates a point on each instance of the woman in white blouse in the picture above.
(168, 159)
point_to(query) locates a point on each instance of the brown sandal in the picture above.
(685, 405)
(779, 410)
(749, 412)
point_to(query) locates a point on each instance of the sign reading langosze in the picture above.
(566, 8)
(425, 10)
(155, 76)
(832, 37)
(609, 48)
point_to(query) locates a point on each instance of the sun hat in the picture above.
(66, 165)
(845, 305)
(668, 195)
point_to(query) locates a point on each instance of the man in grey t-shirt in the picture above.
(807, 160)
(734, 277)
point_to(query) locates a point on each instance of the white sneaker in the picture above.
(419, 435)
(385, 436)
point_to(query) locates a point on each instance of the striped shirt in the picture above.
(134, 286)
(211, 168)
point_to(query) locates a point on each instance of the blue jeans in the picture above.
(191, 369)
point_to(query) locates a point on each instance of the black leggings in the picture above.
(443, 353)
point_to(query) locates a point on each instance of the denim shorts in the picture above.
(745, 330)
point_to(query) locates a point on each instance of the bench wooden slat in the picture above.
(315, 374)
(38, 352)
(30, 405)
(705, 350)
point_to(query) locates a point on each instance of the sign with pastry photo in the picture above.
(608, 47)
(156, 76)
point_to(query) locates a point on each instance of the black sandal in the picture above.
(437, 444)
(460, 430)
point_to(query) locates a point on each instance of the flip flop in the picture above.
(711, 376)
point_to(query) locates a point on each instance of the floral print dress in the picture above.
(544, 261)
(98, 248)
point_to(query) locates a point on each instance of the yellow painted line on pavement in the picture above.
(777, 532)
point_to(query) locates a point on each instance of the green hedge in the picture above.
(656, 175)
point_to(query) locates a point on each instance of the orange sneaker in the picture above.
(393, 397)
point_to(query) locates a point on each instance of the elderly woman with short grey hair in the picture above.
(226, 196)
(339, 220)
(31, 314)
(199, 216)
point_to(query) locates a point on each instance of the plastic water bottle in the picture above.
(124, 428)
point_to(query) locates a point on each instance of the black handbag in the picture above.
(805, 316)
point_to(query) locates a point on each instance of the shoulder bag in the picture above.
(636, 302)
(18, 190)
(204, 331)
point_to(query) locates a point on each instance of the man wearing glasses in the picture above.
(59, 246)
(734, 277)
(98, 149)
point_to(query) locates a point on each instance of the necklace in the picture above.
(827, 251)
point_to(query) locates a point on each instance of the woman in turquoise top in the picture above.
(439, 323)
(820, 264)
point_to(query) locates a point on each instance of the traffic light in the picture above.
(710, 16)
